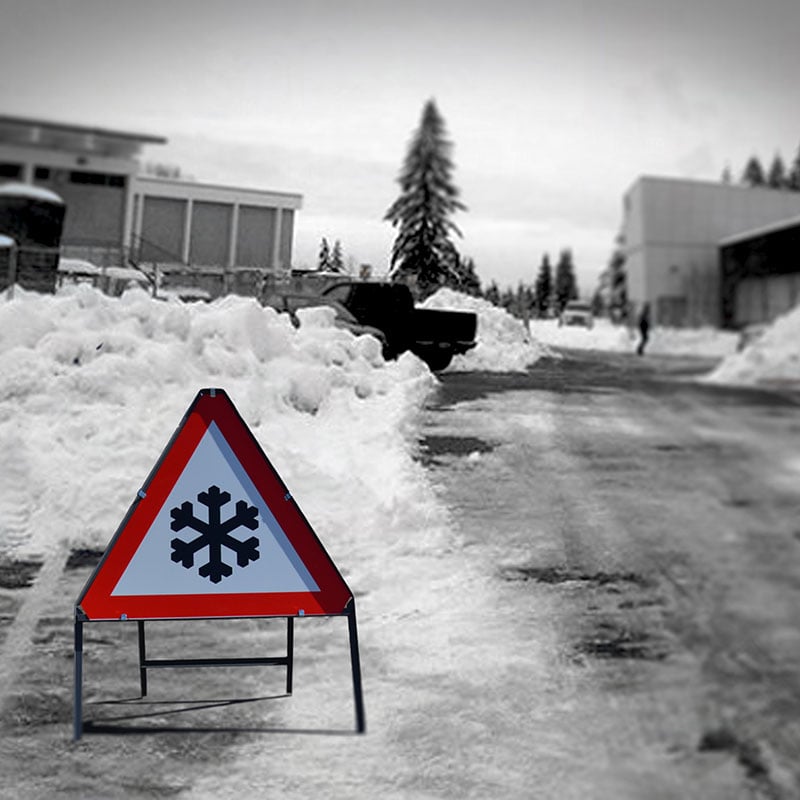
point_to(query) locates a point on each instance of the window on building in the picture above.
(42, 174)
(10, 170)
(97, 179)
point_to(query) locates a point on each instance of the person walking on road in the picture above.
(644, 328)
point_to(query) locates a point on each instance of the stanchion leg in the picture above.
(77, 720)
(355, 662)
(289, 653)
(142, 659)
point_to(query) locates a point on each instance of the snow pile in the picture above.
(773, 358)
(602, 336)
(93, 387)
(706, 342)
(503, 343)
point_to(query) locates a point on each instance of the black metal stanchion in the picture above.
(355, 661)
(77, 727)
(142, 659)
(289, 653)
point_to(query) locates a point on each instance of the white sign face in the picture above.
(214, 535)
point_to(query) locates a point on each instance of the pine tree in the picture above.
(468, 281)
(543, 288)
(566, 287)
(324, 258)
(776, 178)
(618, 287)
(524, 302)
(492, 294)
(793, 181)
(753, 174)
(422, 250)
(336, 259)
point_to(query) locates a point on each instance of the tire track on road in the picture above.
(18, 648)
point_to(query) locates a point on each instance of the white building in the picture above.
(671, 236)
(226, 238)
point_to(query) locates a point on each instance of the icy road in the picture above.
(615, 616)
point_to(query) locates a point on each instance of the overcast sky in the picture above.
(553, 108)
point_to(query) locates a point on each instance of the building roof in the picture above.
(772, 227)
(702, 182)
(82, 130)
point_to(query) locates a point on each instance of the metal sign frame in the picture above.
(162, 663)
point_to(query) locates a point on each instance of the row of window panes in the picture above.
(44, 173)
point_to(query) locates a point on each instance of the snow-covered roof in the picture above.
(78, 266)
(126, 273)
(14, 189)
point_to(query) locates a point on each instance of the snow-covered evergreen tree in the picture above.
(468, 281)
(336, 263)
(543, 287)
(492, 293)
(566, 286)
(793, 180)
(776, 177)
(422, 250)
(753, 174)
(618, 287)
(324, 258)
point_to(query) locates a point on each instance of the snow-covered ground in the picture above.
(505, 342)
(93, 387)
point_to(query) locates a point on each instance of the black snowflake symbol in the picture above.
(214, 534)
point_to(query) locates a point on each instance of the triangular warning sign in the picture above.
(214, 532)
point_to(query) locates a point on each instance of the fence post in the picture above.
(12, 270)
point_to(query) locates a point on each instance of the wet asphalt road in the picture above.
(642, 535)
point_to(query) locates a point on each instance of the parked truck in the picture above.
(387, 311)
(435, 335)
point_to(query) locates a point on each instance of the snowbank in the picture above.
(707, 342)
(503, 343)
(93, 387)
(774, 358)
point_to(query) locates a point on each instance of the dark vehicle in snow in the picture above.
(435, 335)
(387, 311)
(292, 303)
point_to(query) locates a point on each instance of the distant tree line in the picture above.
(778, 176)
(545, 297)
